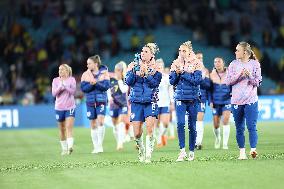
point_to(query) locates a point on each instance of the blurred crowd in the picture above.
(37, 36)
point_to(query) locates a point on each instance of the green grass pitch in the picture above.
(31, 159)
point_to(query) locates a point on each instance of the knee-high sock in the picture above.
(149, 145)
(70, 142)
(94, 136)
(101, 134)
(120, 133)
(226, 134)
(63, 145)
(200, 131)
(115, 133)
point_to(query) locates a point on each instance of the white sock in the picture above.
(70, 142)
(217, 133)
(115, 133)
(242, 151)
(94, 135)
(149, 145)
(182, 150)
(200, 131)
(120, 133)
(253, 149)
(131, 131)
(158, 135)
(101, 130)
(139, 142)
(171, 129)
(63, 145)
(226, 134)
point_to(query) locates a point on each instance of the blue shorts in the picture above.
(94, 111)
(163, 110)
(201, 107)
(139, 112)
(61, 115)
(118, 111)
(219, 109)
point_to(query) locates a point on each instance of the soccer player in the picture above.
(163, 106)
(186, 76)
(63, 89)
(144, 77)
(220, 102)
(204, 88)
(118, 103)
(94, 83)
(244, 75)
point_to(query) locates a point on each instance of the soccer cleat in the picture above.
(190, 156)
(70, 150)
(182, 156)
(100, 149)
(148, 159)
(217, 143)
(242, 156)
(253, 154)
(141, 155)
(95, 151)
(119, 147)
(225, 147)
(198, 147)
(64, 152)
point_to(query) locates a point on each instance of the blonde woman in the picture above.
(186, 76)
(95, 83)
(143, 77)
(118, 103)
(63, 89)
(244, 75)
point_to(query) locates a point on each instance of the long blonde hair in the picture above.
(247, 48)
(122, 66)
(68, 68)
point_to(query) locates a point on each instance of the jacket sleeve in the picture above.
(103, 85)
(205, 83)
(86, 86)
(194, 78)
(56, 89)
(130, 78)
(174, 78)
(255, 79)
(154, 80)
(71, 89)
(232, 77)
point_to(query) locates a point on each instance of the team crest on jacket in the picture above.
(236, 106)
(132, 115)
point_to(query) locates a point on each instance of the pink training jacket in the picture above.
(64, 93)
(244, 89)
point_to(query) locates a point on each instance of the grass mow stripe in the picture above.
(102, 164)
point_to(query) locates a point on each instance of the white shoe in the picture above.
(148, 159)
(64, 152)
(100, 149)
(141, 154)
(225, 147)
(217, 143)
(182, 156)
(70, 150)
(95, 151)
(242, 157)
(119, 147)
(190, 156)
